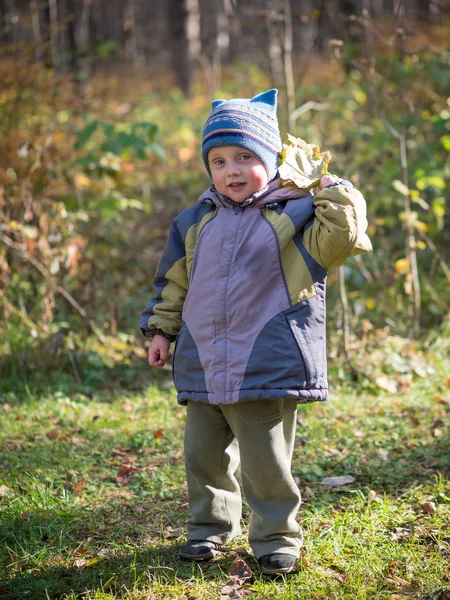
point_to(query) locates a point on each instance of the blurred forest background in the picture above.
(102, 104)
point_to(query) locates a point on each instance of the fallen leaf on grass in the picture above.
(386, 383)
(124, 474)
(428, 507)
(82, 563)
(383, 454)
(239, 572)
(337, 481)
(341, 575)
(77, 440)
(231, 586)
(332, 572)
(78, 488)
(26, 515)
(400, 534)
(158, 433)
(398, 581)
(170, 532)
(17, 562)
(6, 492)
(239, 568)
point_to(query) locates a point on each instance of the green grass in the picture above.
(72, 527)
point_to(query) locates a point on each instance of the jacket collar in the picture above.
(274, 192)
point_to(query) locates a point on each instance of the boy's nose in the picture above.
(233, 169)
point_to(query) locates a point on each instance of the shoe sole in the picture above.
(278, 571)
(197, 557)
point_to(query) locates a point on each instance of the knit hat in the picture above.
(250, 123)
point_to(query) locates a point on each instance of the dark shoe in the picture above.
(275, 564)
(198, 550)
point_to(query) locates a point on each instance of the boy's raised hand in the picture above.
(327, 180)
(158, 352)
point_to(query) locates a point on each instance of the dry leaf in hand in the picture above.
(302, 164)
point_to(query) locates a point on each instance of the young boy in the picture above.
(241, 288)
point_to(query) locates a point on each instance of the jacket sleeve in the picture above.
(163, 314)
(339, 227)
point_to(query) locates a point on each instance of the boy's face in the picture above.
(236, 172)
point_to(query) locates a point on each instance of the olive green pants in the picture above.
(260, 436)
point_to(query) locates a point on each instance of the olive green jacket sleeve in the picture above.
(339, 227)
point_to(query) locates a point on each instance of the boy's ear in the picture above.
(269, 97)
(217, 103)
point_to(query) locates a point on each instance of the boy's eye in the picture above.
(246, 156)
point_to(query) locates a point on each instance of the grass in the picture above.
(95, 501)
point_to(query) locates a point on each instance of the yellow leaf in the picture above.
(421, 226)
(360, 96)
(408, 217)
(402, 265)
(386, 383)
(400, 187)
(370, 304)
(81, 180)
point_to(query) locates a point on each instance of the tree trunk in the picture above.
(222, 49)
(275, 35)
(53, 21)
(36, 28)
(181, 48)
(83, 39)
(288, 67)
(71, 34)
(129, 27)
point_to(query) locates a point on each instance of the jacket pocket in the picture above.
(307, 348)
(187, 371)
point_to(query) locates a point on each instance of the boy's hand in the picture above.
(327, 180)
(158, 352)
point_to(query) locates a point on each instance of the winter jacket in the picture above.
(242, 287)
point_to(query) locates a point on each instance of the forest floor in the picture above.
(94, 506)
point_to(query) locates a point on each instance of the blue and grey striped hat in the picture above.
(250, 123)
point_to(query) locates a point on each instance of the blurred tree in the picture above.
(185, 39)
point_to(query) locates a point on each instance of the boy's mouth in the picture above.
(236, 185)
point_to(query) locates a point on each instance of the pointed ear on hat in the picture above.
(269, 97)
(217, 103)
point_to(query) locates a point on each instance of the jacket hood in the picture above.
(274, 192)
